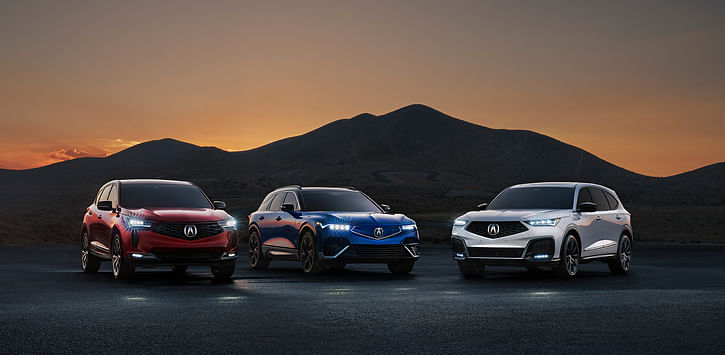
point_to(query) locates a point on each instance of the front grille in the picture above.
(185, 255)
(380, 251)
(495, 252)
(540, 247)
(368, 231)
(505, 229)
(176, 229)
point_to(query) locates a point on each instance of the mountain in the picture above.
(416, 158)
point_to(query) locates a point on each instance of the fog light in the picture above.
(232, 254)
(541, 256)
(459, 255)
(137, 255)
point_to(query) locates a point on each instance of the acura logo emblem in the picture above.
(378, 232)
(190, 231)
(493, 229)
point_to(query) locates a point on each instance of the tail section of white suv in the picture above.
(557, 224)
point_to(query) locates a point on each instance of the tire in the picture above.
(623, 261)
(401, 268)
(471, 269)
(570, 253)
(309, 257)
(121, 269)
(179, 269)
(89, 262)
(257, 260)
(223, 271)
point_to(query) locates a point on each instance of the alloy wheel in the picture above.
(307, 254)
(253, 250)
(116, 256)
(84, 251)
(572, 256)
(625, 254)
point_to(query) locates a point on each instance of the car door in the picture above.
(612, 220)
(97, 228)
(588, 224)
(269, 223)
(601, 244)
(291, 223)
(108, 218)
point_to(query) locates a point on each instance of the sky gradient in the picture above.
(638, 83)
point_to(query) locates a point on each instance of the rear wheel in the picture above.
(309, 257)
(569, 263)
(257, 260)
(471, 269)
(621, 264)
(121, 268)
(89, 262)
(401, 268)
(223, 271)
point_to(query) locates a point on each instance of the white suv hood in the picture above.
(512, 215)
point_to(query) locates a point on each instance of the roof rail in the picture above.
(298, 187)
(350, 187)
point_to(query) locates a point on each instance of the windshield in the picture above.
(162, 195)
(333, 200)
(534, 198)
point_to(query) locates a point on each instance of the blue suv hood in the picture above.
(361, 218)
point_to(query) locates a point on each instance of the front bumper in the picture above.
(146, 248)
(350, 248)
(535, 246)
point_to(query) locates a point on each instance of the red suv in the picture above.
(147, 223)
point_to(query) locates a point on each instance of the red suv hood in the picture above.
(180, 214)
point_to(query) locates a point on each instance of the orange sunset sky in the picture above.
(638, 83)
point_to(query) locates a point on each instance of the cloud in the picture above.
(72, 153)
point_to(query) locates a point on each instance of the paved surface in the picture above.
(673, 301)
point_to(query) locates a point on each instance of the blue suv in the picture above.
(329, 227)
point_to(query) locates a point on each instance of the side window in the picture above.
(613, 204)
(265, 204)
(277, 202)
(113, 196)
(292, 200)
(599, 198)
(584, 196)
(101, 194)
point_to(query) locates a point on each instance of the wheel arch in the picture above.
(307, 226)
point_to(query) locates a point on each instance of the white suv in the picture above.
(557, 224)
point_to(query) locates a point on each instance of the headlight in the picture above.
(460, 222)
(136, 222)
(230, 223)
(543, 222)
(335, 227)
(408, 227)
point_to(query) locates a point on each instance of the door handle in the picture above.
(99, 216)
(599, 218)
(619, 217)
(261, 218)
(278, 218)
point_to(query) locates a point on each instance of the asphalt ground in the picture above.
(673, 301)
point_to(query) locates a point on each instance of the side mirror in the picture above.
(587, 207)
(482, 206)
(287, 207)
(220, 205)
(385, 208)
(105, 205)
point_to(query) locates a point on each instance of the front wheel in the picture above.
(401, 268)
(471, 269)
(121, 268)
(223, 271)
(569, 264)
(621, 264)
(257, 260)
(89, 262)
(309, 257)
